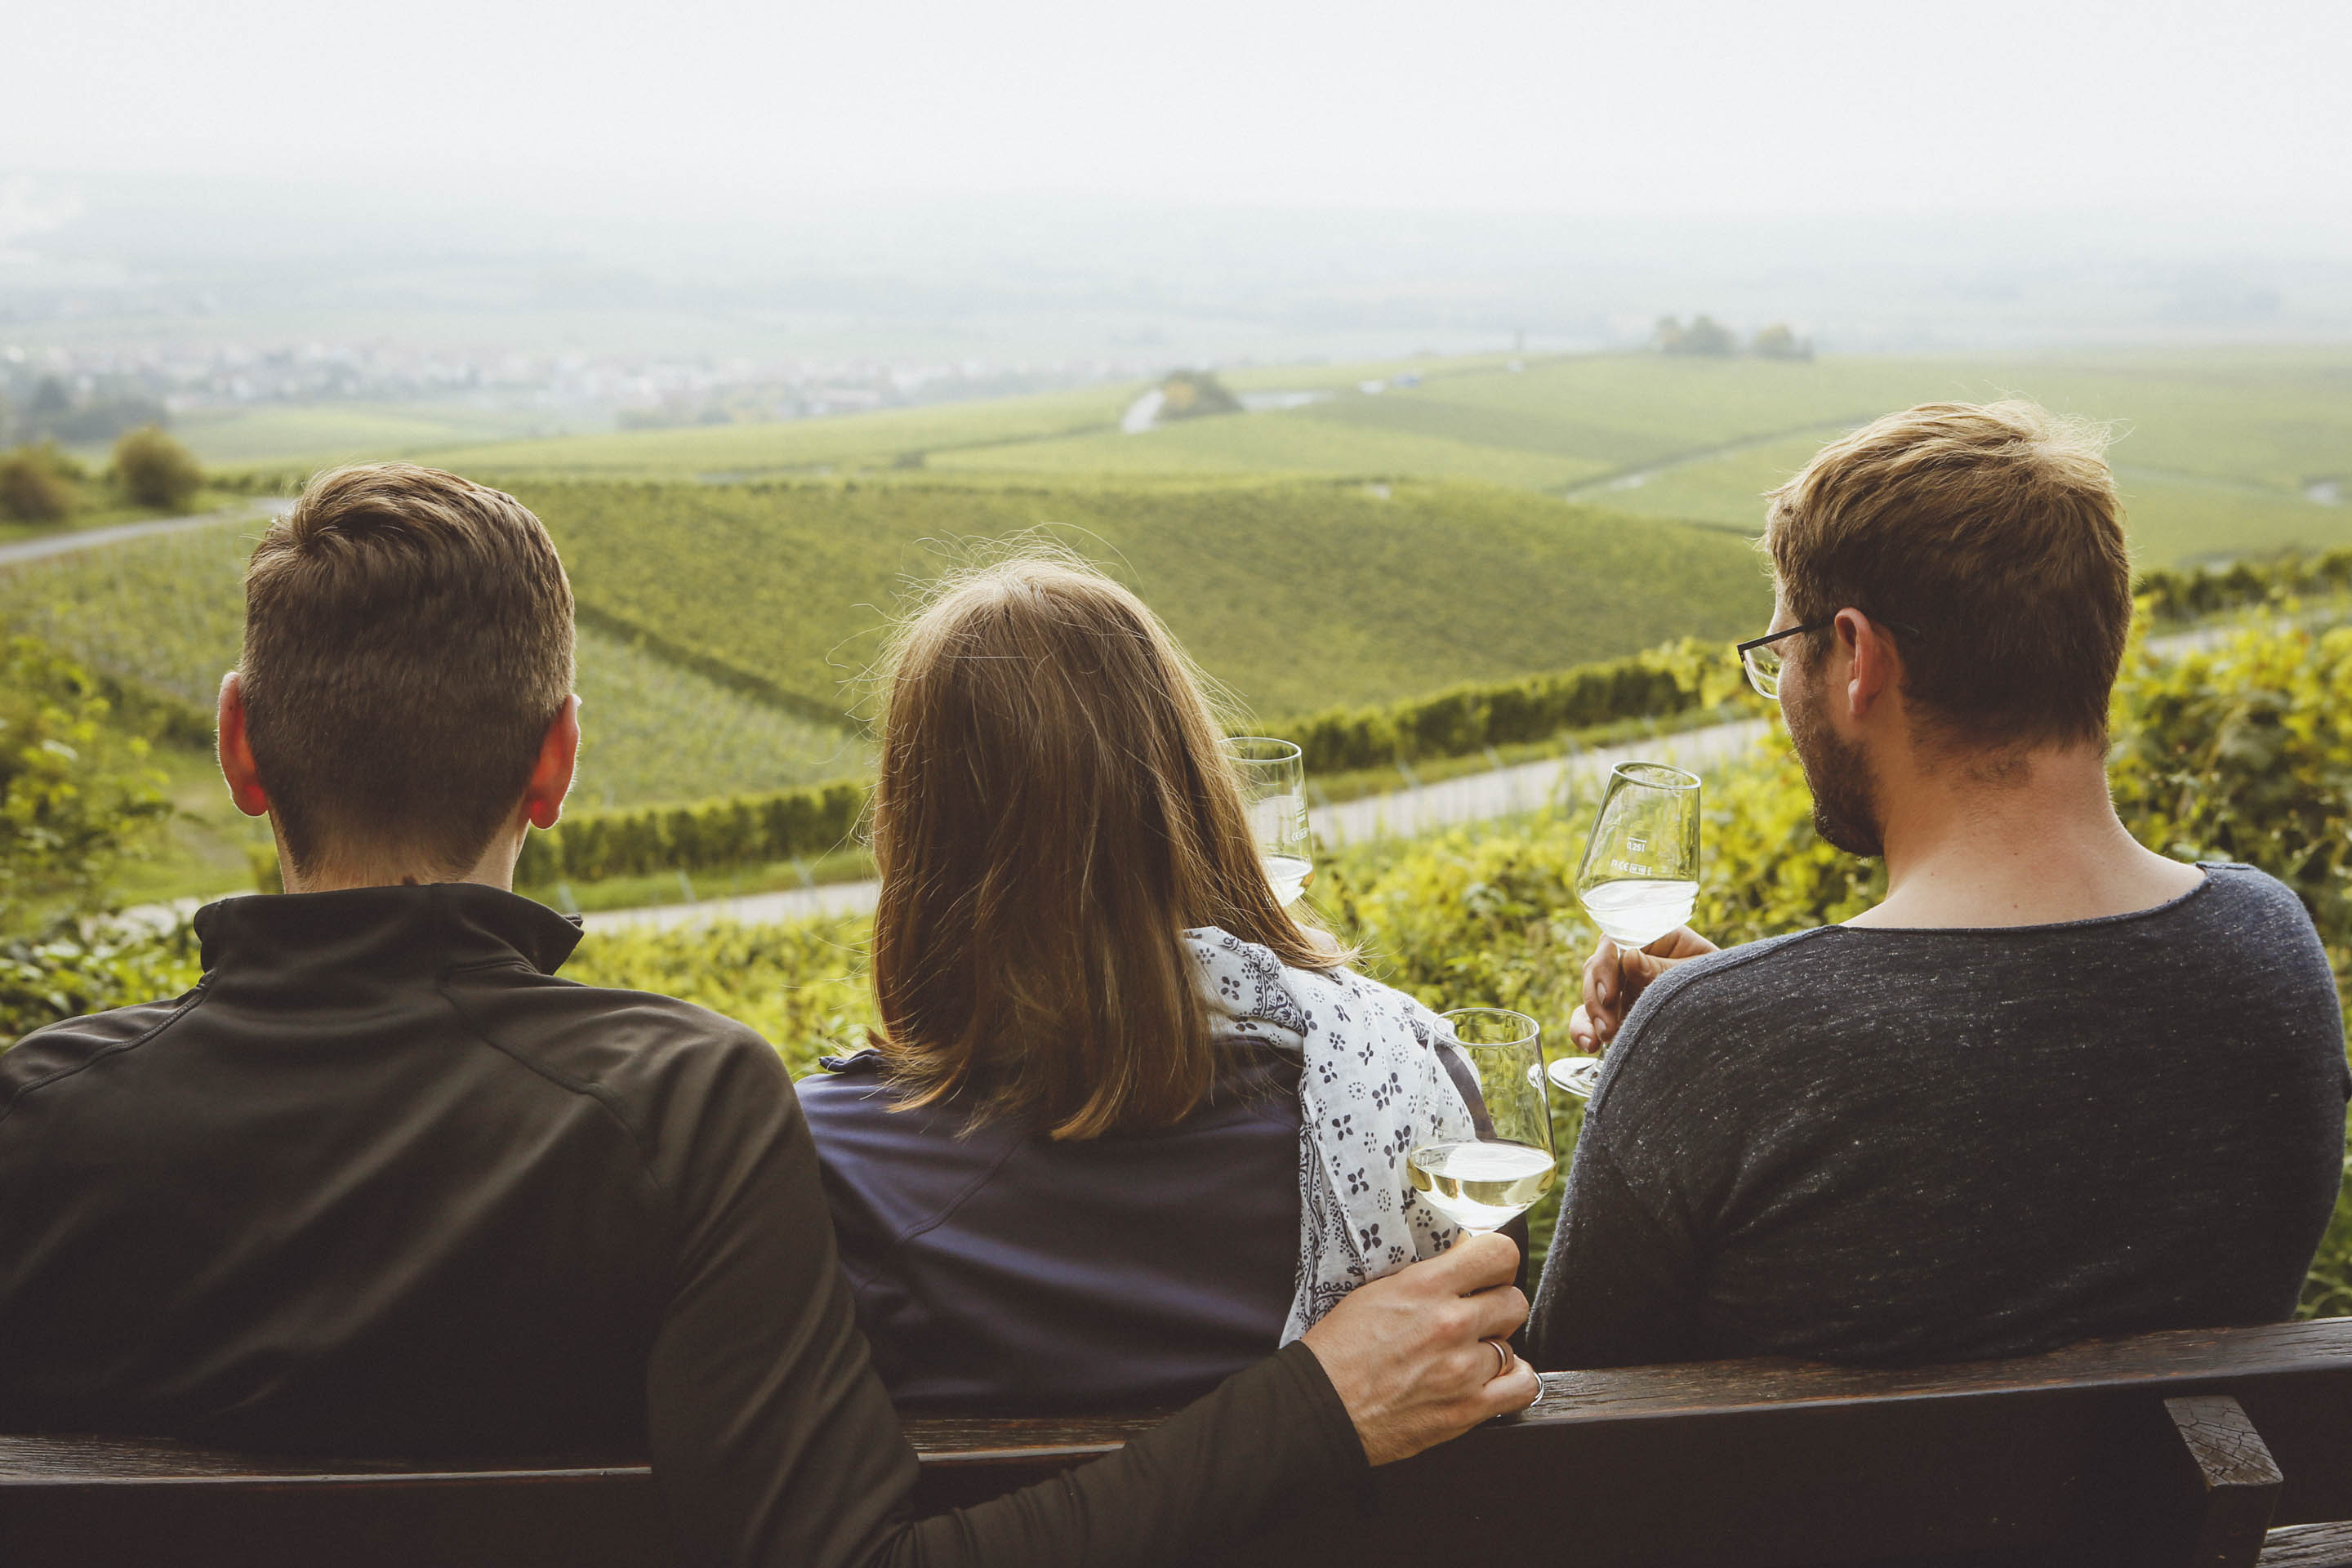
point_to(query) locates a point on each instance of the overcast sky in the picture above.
(1560, 106)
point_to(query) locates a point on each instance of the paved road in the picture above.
(18, 552)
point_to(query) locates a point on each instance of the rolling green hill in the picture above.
(1299, 596)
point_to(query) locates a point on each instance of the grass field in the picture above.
(1298, 595)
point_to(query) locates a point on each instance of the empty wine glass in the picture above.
(1273, 790)
(1640, 876)
(1485, 1180)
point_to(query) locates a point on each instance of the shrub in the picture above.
(156, 470)
(36, 486)
(76, 799)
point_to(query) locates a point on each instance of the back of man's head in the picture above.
(408, 642)
(1992, 531)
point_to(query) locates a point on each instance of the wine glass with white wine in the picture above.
(1640, 876)
(1483, 1182)
(1273, 790)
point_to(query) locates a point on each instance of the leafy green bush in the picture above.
(802, 986)
(76, 799)
(35, 485)
(1463, 719)
(2170, 594)
(75, 796)
(742, 830)
(155, 470)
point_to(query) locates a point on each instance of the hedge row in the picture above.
(2176, 596)
(738, 830)
(1466, 718)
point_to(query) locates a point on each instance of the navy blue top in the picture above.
(993, 1269)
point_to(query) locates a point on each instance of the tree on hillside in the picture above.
(1776, 341)
(1705, 335)
(37, 484)
(1192, 394)
(156, 470)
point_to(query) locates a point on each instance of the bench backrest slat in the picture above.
(2070, 1457)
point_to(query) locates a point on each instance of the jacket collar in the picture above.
(416, 930)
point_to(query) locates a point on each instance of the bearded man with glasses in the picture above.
(2055, 1085)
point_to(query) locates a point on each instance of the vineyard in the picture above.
(1294, 595)
(167, 613)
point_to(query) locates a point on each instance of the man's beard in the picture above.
(1846, 804)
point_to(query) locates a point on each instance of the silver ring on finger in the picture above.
(1503, 1354)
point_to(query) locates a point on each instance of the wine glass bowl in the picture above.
(1273, 775)
(1482, 1182)
(1639, 878)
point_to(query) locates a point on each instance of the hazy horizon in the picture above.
(1053, 190)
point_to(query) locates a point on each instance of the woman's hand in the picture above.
(1615, 977)
(1414, 1356)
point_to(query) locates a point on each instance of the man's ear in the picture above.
(551, 777)
(1876, 671)
(237, 752)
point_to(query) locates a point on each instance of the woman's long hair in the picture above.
(1054, 807)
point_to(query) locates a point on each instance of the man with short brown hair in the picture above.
(2055, 1085)
(382, 1184)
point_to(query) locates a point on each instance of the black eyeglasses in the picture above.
(1762, 660)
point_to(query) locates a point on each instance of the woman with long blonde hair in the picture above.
(1128, 1123)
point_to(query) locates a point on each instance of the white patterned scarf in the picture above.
(1370, 1090)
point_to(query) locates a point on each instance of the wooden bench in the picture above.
(2220, 1449)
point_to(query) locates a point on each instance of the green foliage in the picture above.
(1465, 720)
(69, 970)
(735, 831)
(76, 800)
(2244, 752)
(155, 470)
(75, 797)
(1194, 394)
(2172, 594)
(1705, 335)
(803, 986)
(35, 485)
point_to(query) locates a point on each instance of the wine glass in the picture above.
(1273, 790)
(1640, 876)
(1485, 1180)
